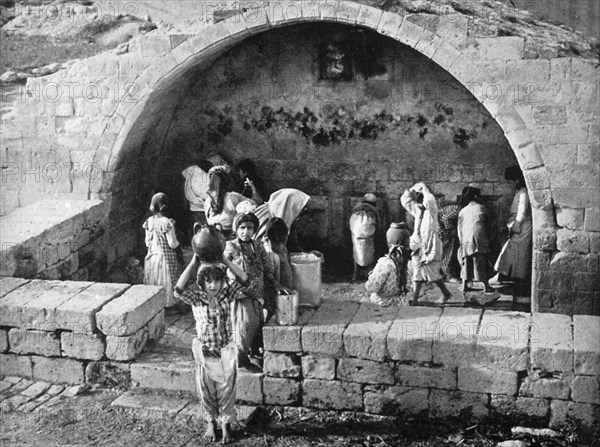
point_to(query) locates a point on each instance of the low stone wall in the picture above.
(74, 331)
(55, 239)
(433, 361)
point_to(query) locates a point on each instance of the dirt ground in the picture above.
(89, 420)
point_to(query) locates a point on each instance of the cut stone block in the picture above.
(41, 400)
(78, 314)
(23, 341)
(9, 284)
(16, 365)
(58, 370)
(411, 335)
(365, 371)
(314, 367)
(480, 379)
(366, 335)
(545, 387)
(169, 371)
(152, 405)
(36, 389)
(281, 391)
(323, 334)
(586, 389)
(444, 403)
(586, 344)
(454, 340)
(551, 342)
(249, 387)
(286, 338)
(396, 400)
(281, 365)
(40, 313)
(13, 403)
(11, 304)
(502, 340)
(156, 326)
(82, 346)
(332, 395)
(422, 377)
(127, 347)
(588, 415)
(109, 374)
(128, 313)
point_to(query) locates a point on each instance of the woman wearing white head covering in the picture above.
(287, 204)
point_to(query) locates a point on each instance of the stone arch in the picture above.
(217, 38)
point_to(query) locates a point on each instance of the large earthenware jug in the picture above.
(398, 231)
(306, 272)
(287, 308)
(208, 243)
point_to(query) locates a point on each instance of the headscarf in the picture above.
(287, 204)
(159, 202)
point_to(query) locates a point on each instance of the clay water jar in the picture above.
(399, 231)
(208, 243)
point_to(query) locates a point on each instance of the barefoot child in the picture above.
(214, 349)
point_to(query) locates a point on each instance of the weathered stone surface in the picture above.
(323, 332)
(8, 284)
(128, 313)
(570, 218)
(395, 400)
(11, 304)
(555, 388)
(286, 338)
(281, 365)
(366, 335)
(82, 346)
(411, 335)
(588, 415)
(150, 404)
(532, 406)
(481, 379)
(169, 371)
(78, 313)
(586, 344)
(502, 340)
(24, 341)
(3, 340)
(16, 365)
(572, 241)
(551, 342)
(592, 219)
(58, 370)
(314, 367)
(40, 313)
(454, 340)
(423, 377)
(249, 387)
(331, 394)
(444, 403)
(365, 371)
(279, 391)
(109, 374)
(586, 389)
(36, 389)
(127, 347)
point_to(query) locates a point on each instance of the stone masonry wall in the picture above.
(74, 331)
(107, 115)
(436, 362)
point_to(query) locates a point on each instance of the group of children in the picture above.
(230, 298)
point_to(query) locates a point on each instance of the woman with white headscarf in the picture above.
(287, 204)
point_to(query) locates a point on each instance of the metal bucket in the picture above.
(287, 308)
(306, 271)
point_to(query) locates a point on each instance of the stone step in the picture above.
(174, 372)
(156, 404)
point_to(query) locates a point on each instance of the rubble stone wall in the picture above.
(103, 121)
(76, 331)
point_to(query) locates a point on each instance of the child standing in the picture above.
(162, 265)
(251, 257)
(275, 241)
(214, 349)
